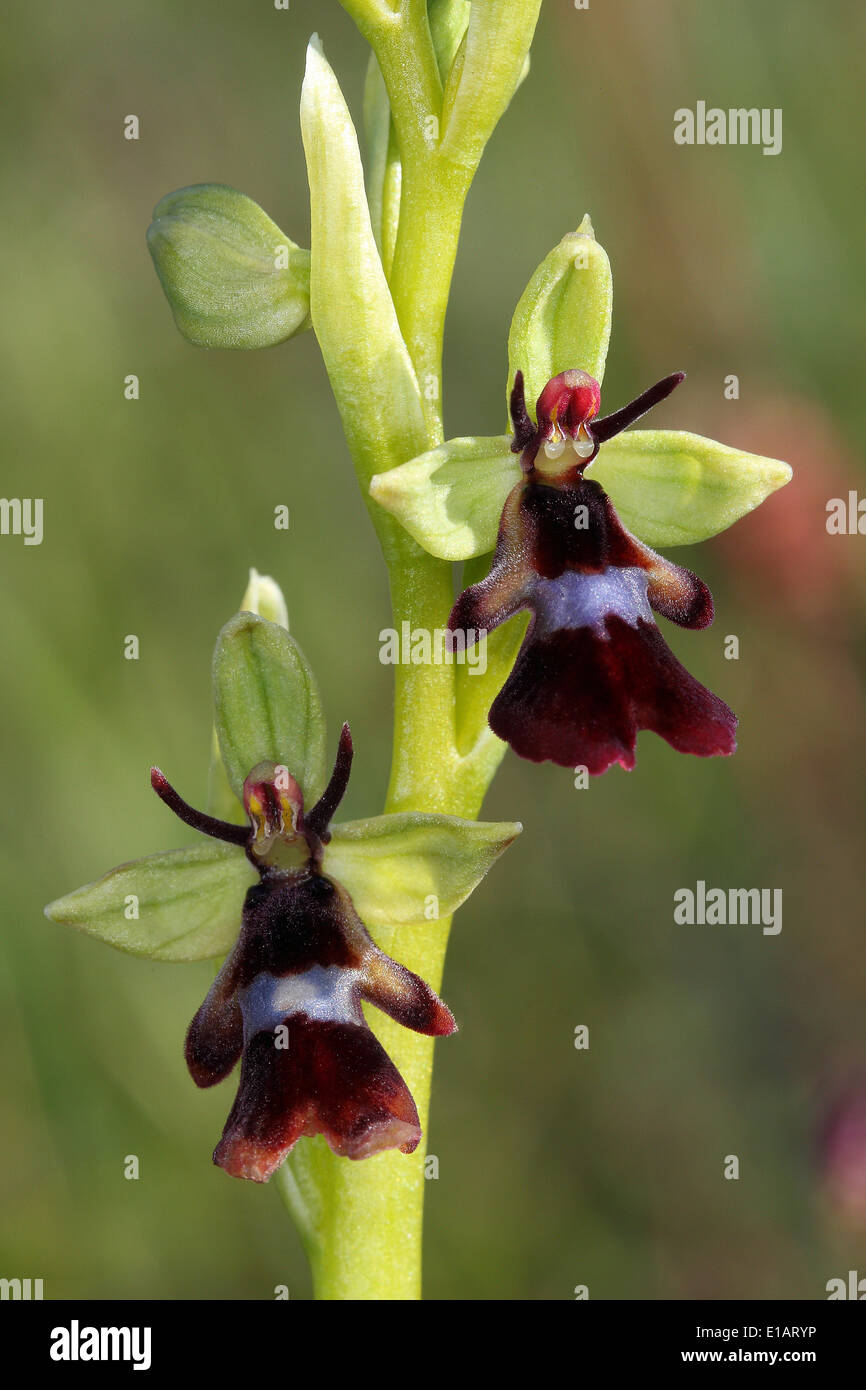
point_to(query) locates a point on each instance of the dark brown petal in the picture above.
(620, 420)
(322, 813)
(679, 595)
(567, 523)
(405, 997)
(497, 598)
(293, 922)
(215, 1036)
(199, 820)
(578, 697)
(333, 1079)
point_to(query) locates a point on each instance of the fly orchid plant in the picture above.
(313, 918)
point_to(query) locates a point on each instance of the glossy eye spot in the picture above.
(554, 448)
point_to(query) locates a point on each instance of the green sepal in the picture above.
(405, 868)
(267, 705)
(451, 498)
(563, 317)
(232, 278)
(668, 486)
(263, 596)
(674, 488)
(189, 903)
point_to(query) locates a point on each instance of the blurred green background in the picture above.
(557, 1167)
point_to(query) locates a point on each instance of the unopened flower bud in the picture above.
(232, 278)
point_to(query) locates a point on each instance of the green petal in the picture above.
(450, 499)
(232, 278)
(674, 488)
(563, 317)
(267, 704)
(402, 869)
(188, 902)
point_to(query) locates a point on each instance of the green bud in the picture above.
(265, 597)
(563, 317)
(184, 905)
(674, 488)
(267, 705)
(402, 869)
(232, 278)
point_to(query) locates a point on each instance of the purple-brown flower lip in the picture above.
(287, 1001)
(566, 420)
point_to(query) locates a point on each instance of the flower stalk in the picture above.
(363, 1222)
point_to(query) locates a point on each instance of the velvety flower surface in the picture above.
(287, 1001)
(594, 668)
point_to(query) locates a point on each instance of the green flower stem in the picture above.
(404, 49)
(362, 1222)
(433, 193)
(431, 213)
